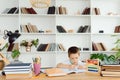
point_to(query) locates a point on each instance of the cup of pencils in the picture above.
(36, 65)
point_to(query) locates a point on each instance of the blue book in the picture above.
(18, 65)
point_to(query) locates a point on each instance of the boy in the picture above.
(73, 62)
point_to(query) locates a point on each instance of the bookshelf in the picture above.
(106, 20)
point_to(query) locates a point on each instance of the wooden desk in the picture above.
(80, 76)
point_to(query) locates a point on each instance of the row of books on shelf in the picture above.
(82, 29)
(110, 70)
(13, 10)
(63, 10)
(55, 10)
(26, 10)
(29, 28)
(51, 10)
(50, 47)
(16, 70)
(98, 46)
(117, 29)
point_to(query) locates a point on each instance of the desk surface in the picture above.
(79, 76)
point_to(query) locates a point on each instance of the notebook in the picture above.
(61, 71)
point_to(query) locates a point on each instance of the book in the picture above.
(117, 29)
(103, 46)
(85, 28)
(32, 11)
(61, 71)
(60, 29)
(16, 11)
(12, 10)
(86, 11)
(94, 47)
(18, 65)
(19, 75)
(18, 70)
(51, 10)
(80, 29)
(23, 10)
(110, 70)
(60, 10)
(97, 11)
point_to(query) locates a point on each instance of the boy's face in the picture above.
(74, 58)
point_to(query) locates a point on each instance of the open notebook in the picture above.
(61, 71)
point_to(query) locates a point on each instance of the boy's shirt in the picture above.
(69, 63)
(76, 70)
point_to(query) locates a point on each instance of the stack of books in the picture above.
(18, 70)
(110, 70)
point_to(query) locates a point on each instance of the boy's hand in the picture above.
(72, 66)
(81, 67)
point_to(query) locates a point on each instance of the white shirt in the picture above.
(68, 62)
(76, 70)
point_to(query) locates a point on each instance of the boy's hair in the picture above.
(73, 50)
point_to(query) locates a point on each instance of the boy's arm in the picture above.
(81, 67)
(67, 66)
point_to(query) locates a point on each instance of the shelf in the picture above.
(105, 33)
(9, 15)
(63, 15)
(52, 15)
(65, 52)
(73, 33)
(114, 16)
(104, 51)
(40, 52)
(38, 33)
(37, 15)
(72, 0)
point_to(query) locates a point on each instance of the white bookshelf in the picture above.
(72, 20)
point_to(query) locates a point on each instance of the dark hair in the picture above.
(73, 50)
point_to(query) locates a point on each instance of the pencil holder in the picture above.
(36, 68)
(2, 64)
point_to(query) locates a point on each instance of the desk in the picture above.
(79, 76)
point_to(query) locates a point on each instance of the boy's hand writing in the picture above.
(72, 66)
(81, 67)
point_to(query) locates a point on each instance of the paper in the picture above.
(61, 71)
